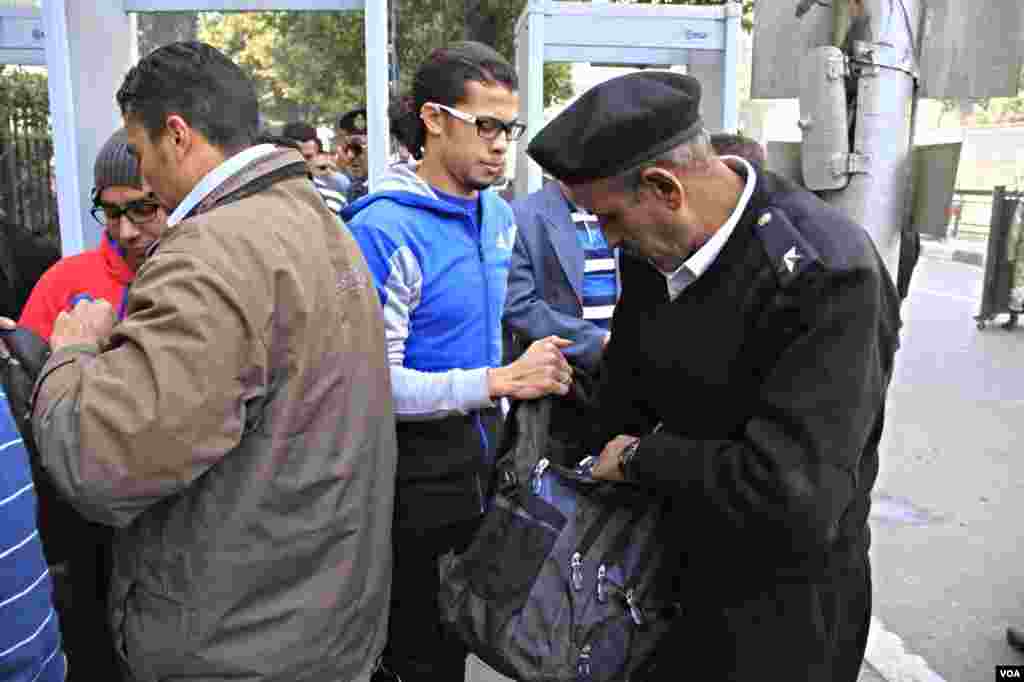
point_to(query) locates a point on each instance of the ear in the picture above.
(180, 135)
(432, 118)
(664, 185)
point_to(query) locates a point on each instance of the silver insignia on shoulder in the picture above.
(790, 259)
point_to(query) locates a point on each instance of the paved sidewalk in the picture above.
(967, 251)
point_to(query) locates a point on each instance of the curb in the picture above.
(969, 258)
(949, 252)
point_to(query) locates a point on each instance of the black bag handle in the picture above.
(531, 419)
(23, 355)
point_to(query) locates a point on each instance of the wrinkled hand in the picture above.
(88, 322)
(607, 467)
(542, 370)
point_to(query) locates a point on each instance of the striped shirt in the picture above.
(334, 199)
(600, 288)
(30, 644)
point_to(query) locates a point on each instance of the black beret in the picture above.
(618, 125)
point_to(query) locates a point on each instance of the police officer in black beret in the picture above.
(757, 326)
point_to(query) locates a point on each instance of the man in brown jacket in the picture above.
(237, 425)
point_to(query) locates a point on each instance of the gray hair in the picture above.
(696, 150)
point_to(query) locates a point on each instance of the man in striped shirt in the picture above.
(313, 152)
(30, 643)
(563, 279)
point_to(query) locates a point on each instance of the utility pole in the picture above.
(883, 65)
(862, 65)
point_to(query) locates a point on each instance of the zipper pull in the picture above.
(576, 571)
(634, 610)
(583, 663)
(538, 472)
(602, 585)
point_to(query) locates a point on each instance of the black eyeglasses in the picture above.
(138, 211)
(487, 127)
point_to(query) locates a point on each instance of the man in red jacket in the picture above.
(132, 218)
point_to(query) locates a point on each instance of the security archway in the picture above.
(705, 39)
(90, 45)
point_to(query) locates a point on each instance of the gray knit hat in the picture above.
(115, 165)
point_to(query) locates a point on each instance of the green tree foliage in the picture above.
(162, 28)
(24, 101)
(311, 65)
(25, 151)
(988, 110)
(1004, 110)
(307, 65)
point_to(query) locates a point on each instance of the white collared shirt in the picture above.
(698, 263)
(215, 178)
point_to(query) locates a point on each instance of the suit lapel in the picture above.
(562, 232)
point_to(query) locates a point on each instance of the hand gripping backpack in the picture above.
(565, 579)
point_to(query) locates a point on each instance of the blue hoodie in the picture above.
(442, 283)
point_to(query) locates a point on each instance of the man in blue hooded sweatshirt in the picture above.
(439, 242)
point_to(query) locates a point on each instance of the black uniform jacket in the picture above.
(769, 375)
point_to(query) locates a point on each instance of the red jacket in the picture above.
(100, 273)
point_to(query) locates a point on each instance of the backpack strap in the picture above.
(595, 529)
(524, 442)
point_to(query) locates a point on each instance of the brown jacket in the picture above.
(239, 431)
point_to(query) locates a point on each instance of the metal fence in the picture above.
(27, 197)
(970, 214)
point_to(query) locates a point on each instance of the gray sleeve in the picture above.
(422, 395)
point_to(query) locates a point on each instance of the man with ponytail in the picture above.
(439, 242)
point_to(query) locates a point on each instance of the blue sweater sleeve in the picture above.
(398, 276)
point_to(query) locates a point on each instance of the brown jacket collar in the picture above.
(280, 164)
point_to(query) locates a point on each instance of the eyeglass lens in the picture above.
(490, 127)
(137, 211)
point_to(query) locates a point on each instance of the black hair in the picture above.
(199, 83)
(349, 121)
(302, 132)
(403, 126)
(442, 79)
(729, 144)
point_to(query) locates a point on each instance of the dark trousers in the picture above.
(793, 632)
(80, 593)
(419, 649)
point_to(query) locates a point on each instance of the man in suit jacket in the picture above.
(563, 279)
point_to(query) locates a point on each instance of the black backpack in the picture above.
(566, 579)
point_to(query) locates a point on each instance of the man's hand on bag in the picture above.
(90, 322)
(542, 370)
(607, 467)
